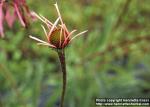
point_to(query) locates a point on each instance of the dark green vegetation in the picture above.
(111, 60)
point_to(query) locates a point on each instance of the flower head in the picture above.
(10, 10)
(57, 35)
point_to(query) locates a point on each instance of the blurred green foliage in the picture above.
(110, 61)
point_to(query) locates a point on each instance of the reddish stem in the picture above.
(61, 54)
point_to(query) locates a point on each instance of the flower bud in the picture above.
(58, 37)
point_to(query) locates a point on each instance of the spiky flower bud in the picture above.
(58, 36)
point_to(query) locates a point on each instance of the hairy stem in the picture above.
(61, 54)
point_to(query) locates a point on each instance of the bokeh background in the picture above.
(110, 61)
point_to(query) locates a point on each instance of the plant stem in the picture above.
(61, 54)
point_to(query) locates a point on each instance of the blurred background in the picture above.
(110, 61)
